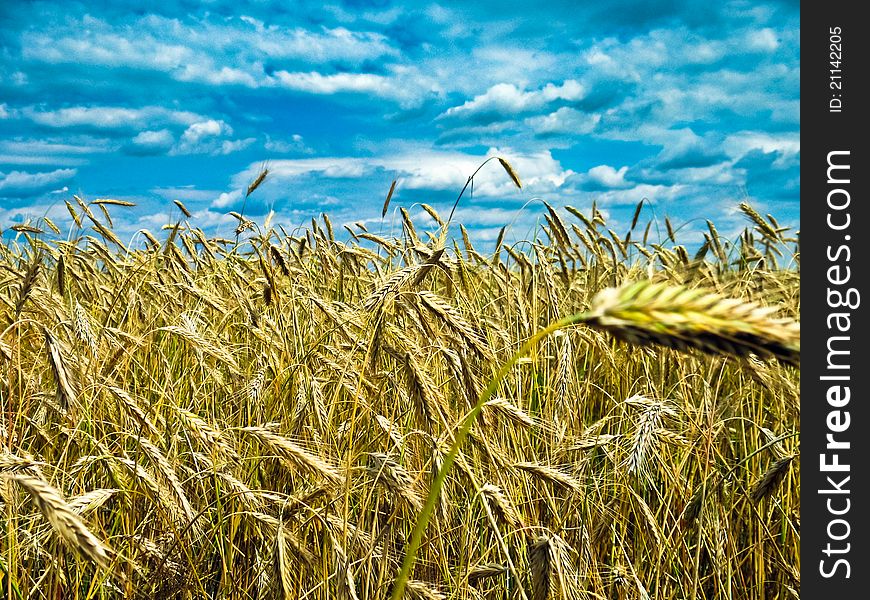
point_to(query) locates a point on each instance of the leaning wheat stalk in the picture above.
(640, 313)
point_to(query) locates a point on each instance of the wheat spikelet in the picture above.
(389, 197)
(12, 463)
(91, 501)
(391, 430)
(680, 317)
(540, 563)
(73, 214)
(485, 571)
(182, 208)
(643, 443)
(764, 227)
(451, 317)
(167, 471)
(293, 454)
(214, 349)
(64, 519)
(255, 385)
(82, 326)
(550, 474)
(283, 566)
(65, 391)
(420, 590)
(61, 275)
(134, 409)
(563, 370)
(345, 582)
(208, 436)
(771, 478)
(28, 281)
(507, 409)
(261, 176)
(384, 296)
(510, 171)
(395, 478)
(500, 505)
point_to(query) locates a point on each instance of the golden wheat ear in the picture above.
(679, 317)
(64, 519)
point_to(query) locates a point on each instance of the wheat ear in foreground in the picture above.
(679, 317)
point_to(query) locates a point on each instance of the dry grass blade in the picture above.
(64, 519)
(681, 317)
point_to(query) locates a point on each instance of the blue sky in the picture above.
(694, 106)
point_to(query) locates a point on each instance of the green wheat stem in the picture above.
(461, 434)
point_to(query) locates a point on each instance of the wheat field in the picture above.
(270, 416)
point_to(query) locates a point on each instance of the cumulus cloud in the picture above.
(69, 151)
(295, 144)
(506, 99)
(151, 142)
(23, 184)
(605, 177)
(788, 145)
(563, 121)
(209, 137)
(109, 117)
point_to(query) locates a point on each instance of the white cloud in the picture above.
(226, 52)
(227, 199)
(764, 40)
(25, 184)
(564, 121)
(608, 177)
(738, 144)
(508, 99)
(71, 151)
(230, 146)
(160, 140)
(296, 144)
(185, 193)
(208, 137)
(110, 117)
(318, 83)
